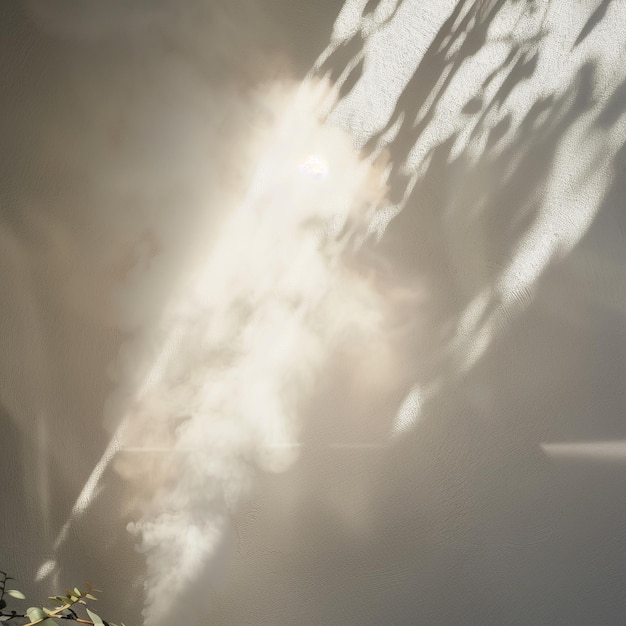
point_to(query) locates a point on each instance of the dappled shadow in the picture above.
(461, 213)
(464, 519)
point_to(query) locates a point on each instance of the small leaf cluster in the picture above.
(63, 607)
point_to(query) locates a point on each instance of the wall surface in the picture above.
(315, 314)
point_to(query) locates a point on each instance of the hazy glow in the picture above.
(240, 347)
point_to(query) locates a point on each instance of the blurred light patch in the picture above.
(45, 569)
(408, 413)
(611, 451)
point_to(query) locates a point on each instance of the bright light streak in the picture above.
(239, 348)
(610, 451)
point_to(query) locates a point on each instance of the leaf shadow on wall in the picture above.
(465, 519)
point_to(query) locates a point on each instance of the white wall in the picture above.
(433, 480)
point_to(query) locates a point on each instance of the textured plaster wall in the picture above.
(488, 486)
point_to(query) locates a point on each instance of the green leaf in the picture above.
(95, 618)
(34, 613)
(14, 593)
(77, 592)
(90, 596)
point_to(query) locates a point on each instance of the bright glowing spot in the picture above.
(408, 413)
(314, 166)
(45, 570)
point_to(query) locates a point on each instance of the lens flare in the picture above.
(315, 167)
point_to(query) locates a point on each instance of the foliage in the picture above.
(63, 607)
